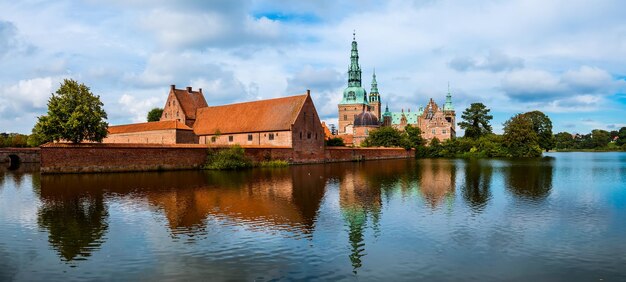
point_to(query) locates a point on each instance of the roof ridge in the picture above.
(256, 101)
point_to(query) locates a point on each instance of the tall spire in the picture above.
(374, 84)
(448, 105)
(354, 72)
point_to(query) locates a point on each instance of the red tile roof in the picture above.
(190, 101)
(257, 116)
(148, 126)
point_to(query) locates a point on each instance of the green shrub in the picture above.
(231, 158)
(274, 163)
(336, 141)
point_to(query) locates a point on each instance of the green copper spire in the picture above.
(387, 112)
(448, 105)
(354, 72)
(354, 93)
(374, 95)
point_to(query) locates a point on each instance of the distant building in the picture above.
(435, 122)
(159, 132)
(182, 104)
(282, 122)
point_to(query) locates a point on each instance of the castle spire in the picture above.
(448, 105)
(354, 72)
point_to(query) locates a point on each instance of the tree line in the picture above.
(525, 135)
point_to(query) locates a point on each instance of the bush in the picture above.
(231, 158)
(274, 163)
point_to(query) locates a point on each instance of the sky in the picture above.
(565, 58)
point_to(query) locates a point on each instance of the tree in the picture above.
(385, 136)
(414, 135)
(336, 141)
(542, 125)
(621, 134)
(74, 114)
(519, 137)
(600, 138)
(476, 121)
(564, 140)
(155, 114)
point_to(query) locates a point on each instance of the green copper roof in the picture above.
(411, 117)
(354, 93)
(448, 105)
(387, 113)
(374, 96)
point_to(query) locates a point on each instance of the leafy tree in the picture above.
(476, 120)
(600, 138)
(519, 137)
(336, 141)
(74, 114)
(621, 134)
(542, 125)
(414, 135)
(385, 136)
(155, 114)
(564, 140)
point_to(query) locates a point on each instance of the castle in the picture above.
(360, 113)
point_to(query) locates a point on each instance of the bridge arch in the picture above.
(14, 161)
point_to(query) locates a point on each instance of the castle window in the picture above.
(271, 136)
(174, 102)
(249, 137)
(165, 115)
(345, 117)
(213, 138)
(304, 116)
(308, 135)
(230, 138)
(176, 113)
(300, 135)
(443, 131)
(316, 136)
(434, 131)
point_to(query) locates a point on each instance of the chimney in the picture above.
(200, 90)
(308, 92)
(172, 87)
(189, 89)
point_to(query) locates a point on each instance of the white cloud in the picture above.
(139, 108)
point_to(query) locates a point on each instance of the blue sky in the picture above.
(565, 58)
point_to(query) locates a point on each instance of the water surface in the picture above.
(561, 217)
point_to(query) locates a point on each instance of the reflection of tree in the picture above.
(76, 224)
(530, 179)
(476, 189)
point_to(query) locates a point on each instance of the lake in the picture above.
(561, 217)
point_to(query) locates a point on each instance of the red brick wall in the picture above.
(85, 158)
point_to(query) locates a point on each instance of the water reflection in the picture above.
(75, 211)
(75, 219)
(437, 179)
(530, 179)
(477, 183)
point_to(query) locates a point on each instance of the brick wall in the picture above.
(308, 133)
(280, 139)
(168, 136)
(86, 158)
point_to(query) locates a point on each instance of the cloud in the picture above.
(139, 108)
(317, 80)
(10, 41)
(495, 61)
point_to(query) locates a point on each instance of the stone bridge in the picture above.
(14, 156)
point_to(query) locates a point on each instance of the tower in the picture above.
(387, 116)
(354, 96)
(374, 98)
(448, 110)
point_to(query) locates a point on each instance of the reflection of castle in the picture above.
(359, 113)
(437, 180)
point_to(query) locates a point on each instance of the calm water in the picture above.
(562, 217)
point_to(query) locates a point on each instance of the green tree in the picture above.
(336, 141)
(621, 134)
(564, 140)
(519, 137)
(600, 138)
(155, 114)
(385, 136)
(74, 114)
(542, 125)
(414, 135)
(476, 121)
